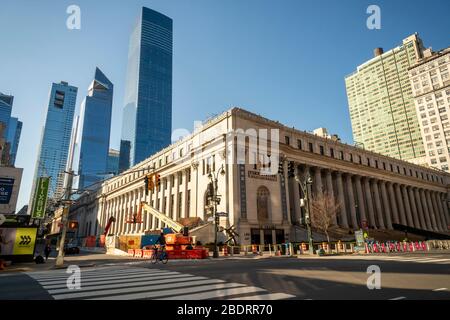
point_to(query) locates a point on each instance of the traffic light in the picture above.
(157, 180)
(280, 167)
(291, 169)
(73, 225)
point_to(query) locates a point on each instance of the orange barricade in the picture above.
(138, 253)
(225, 251)
(147, 254)
(131, 252)
(254, 249)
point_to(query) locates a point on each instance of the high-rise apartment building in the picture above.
(381, 103)
(147, 114)
(95, 130)
(430, 81)
(55, 140)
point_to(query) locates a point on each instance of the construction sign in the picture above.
(40, 198)
(17, 241)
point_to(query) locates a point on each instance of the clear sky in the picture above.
(283, 59)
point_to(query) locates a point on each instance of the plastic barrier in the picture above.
(255, 249)
(131, 252)
(225, 251)
(138, 253)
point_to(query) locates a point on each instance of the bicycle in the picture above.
(160, 255)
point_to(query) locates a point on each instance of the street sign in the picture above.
(40, 198)
(222, 214)
(2, 219)
(210, 219)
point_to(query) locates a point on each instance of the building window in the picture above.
(341, 155)
(311, 147)
(322, 152)
(286, 140)
(188, 204)
(351, 157)
(384, 165)
(376, 164)
(332, 152)
(262, 203)
(299, 144)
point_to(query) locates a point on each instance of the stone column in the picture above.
(369, 203)
(437, 212)
(420, 211)
(407, 206)
(379, 209)
(351, 199)
(444, 210)
(386, 206)
(425, 209)
(413, 208)
(185, 195)
(318, 180)
(142, 199)
(361, 203)
(431, 210)
(175, 213)
(401, 207)
(391, 194)
(343, 211)
(329, 180)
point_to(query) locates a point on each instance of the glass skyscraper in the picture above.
(113, 161)
(55, 140)
(14, 131)
(95, 130)
(6, 103)
(147, 114)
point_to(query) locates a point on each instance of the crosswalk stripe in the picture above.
(440, 289)
(121, 285)
(268, 296)
(170, 292)
(214, 294)
(90, 276)
(398, 298)
(437, 260)
(126, 280)
(92, 273)
(107, 278)
(77, 295)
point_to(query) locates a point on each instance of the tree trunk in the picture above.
(328, 241)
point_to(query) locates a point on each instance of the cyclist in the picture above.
(162, 243)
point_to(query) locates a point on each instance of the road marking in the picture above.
(154, 288)
(214, 294)
(440, 289)
(162, 293)
(121, 285)
(105, 278)
(144, 283)
(398, 298)
(268, 296)
(129, 281)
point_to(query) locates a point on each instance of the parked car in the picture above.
(71, 248)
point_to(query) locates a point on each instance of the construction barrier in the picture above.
(131, 252)
(225, 251)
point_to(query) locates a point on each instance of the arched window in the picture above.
(262, 203)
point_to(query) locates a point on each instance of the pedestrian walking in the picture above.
(47, 251)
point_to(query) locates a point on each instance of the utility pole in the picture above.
(216, 199)
(65, 216)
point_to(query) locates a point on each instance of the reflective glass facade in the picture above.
(147, 114)
(113, 161)
(6, 103)
(55, 139)
(14, 131)
(94, 131)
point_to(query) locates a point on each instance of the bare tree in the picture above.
(324, 207)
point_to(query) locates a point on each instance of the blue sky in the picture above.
(283, 59)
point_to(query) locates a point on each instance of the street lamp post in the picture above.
(214, 177)
(305, 185)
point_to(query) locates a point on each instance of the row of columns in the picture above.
(378, 202)
(123, 206)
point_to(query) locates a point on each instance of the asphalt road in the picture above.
(407, 276)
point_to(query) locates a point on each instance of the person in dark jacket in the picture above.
(47, 251)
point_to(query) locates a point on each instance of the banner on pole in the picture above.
(40, 198)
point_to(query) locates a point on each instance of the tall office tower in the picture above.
(95, 130)
(6, 103)
(55, 140)
(430, 81)
(14, 131)
(381, 104)
(124, 155)
(147, 114)
(113, 161)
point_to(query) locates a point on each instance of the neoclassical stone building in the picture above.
(372, 189)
